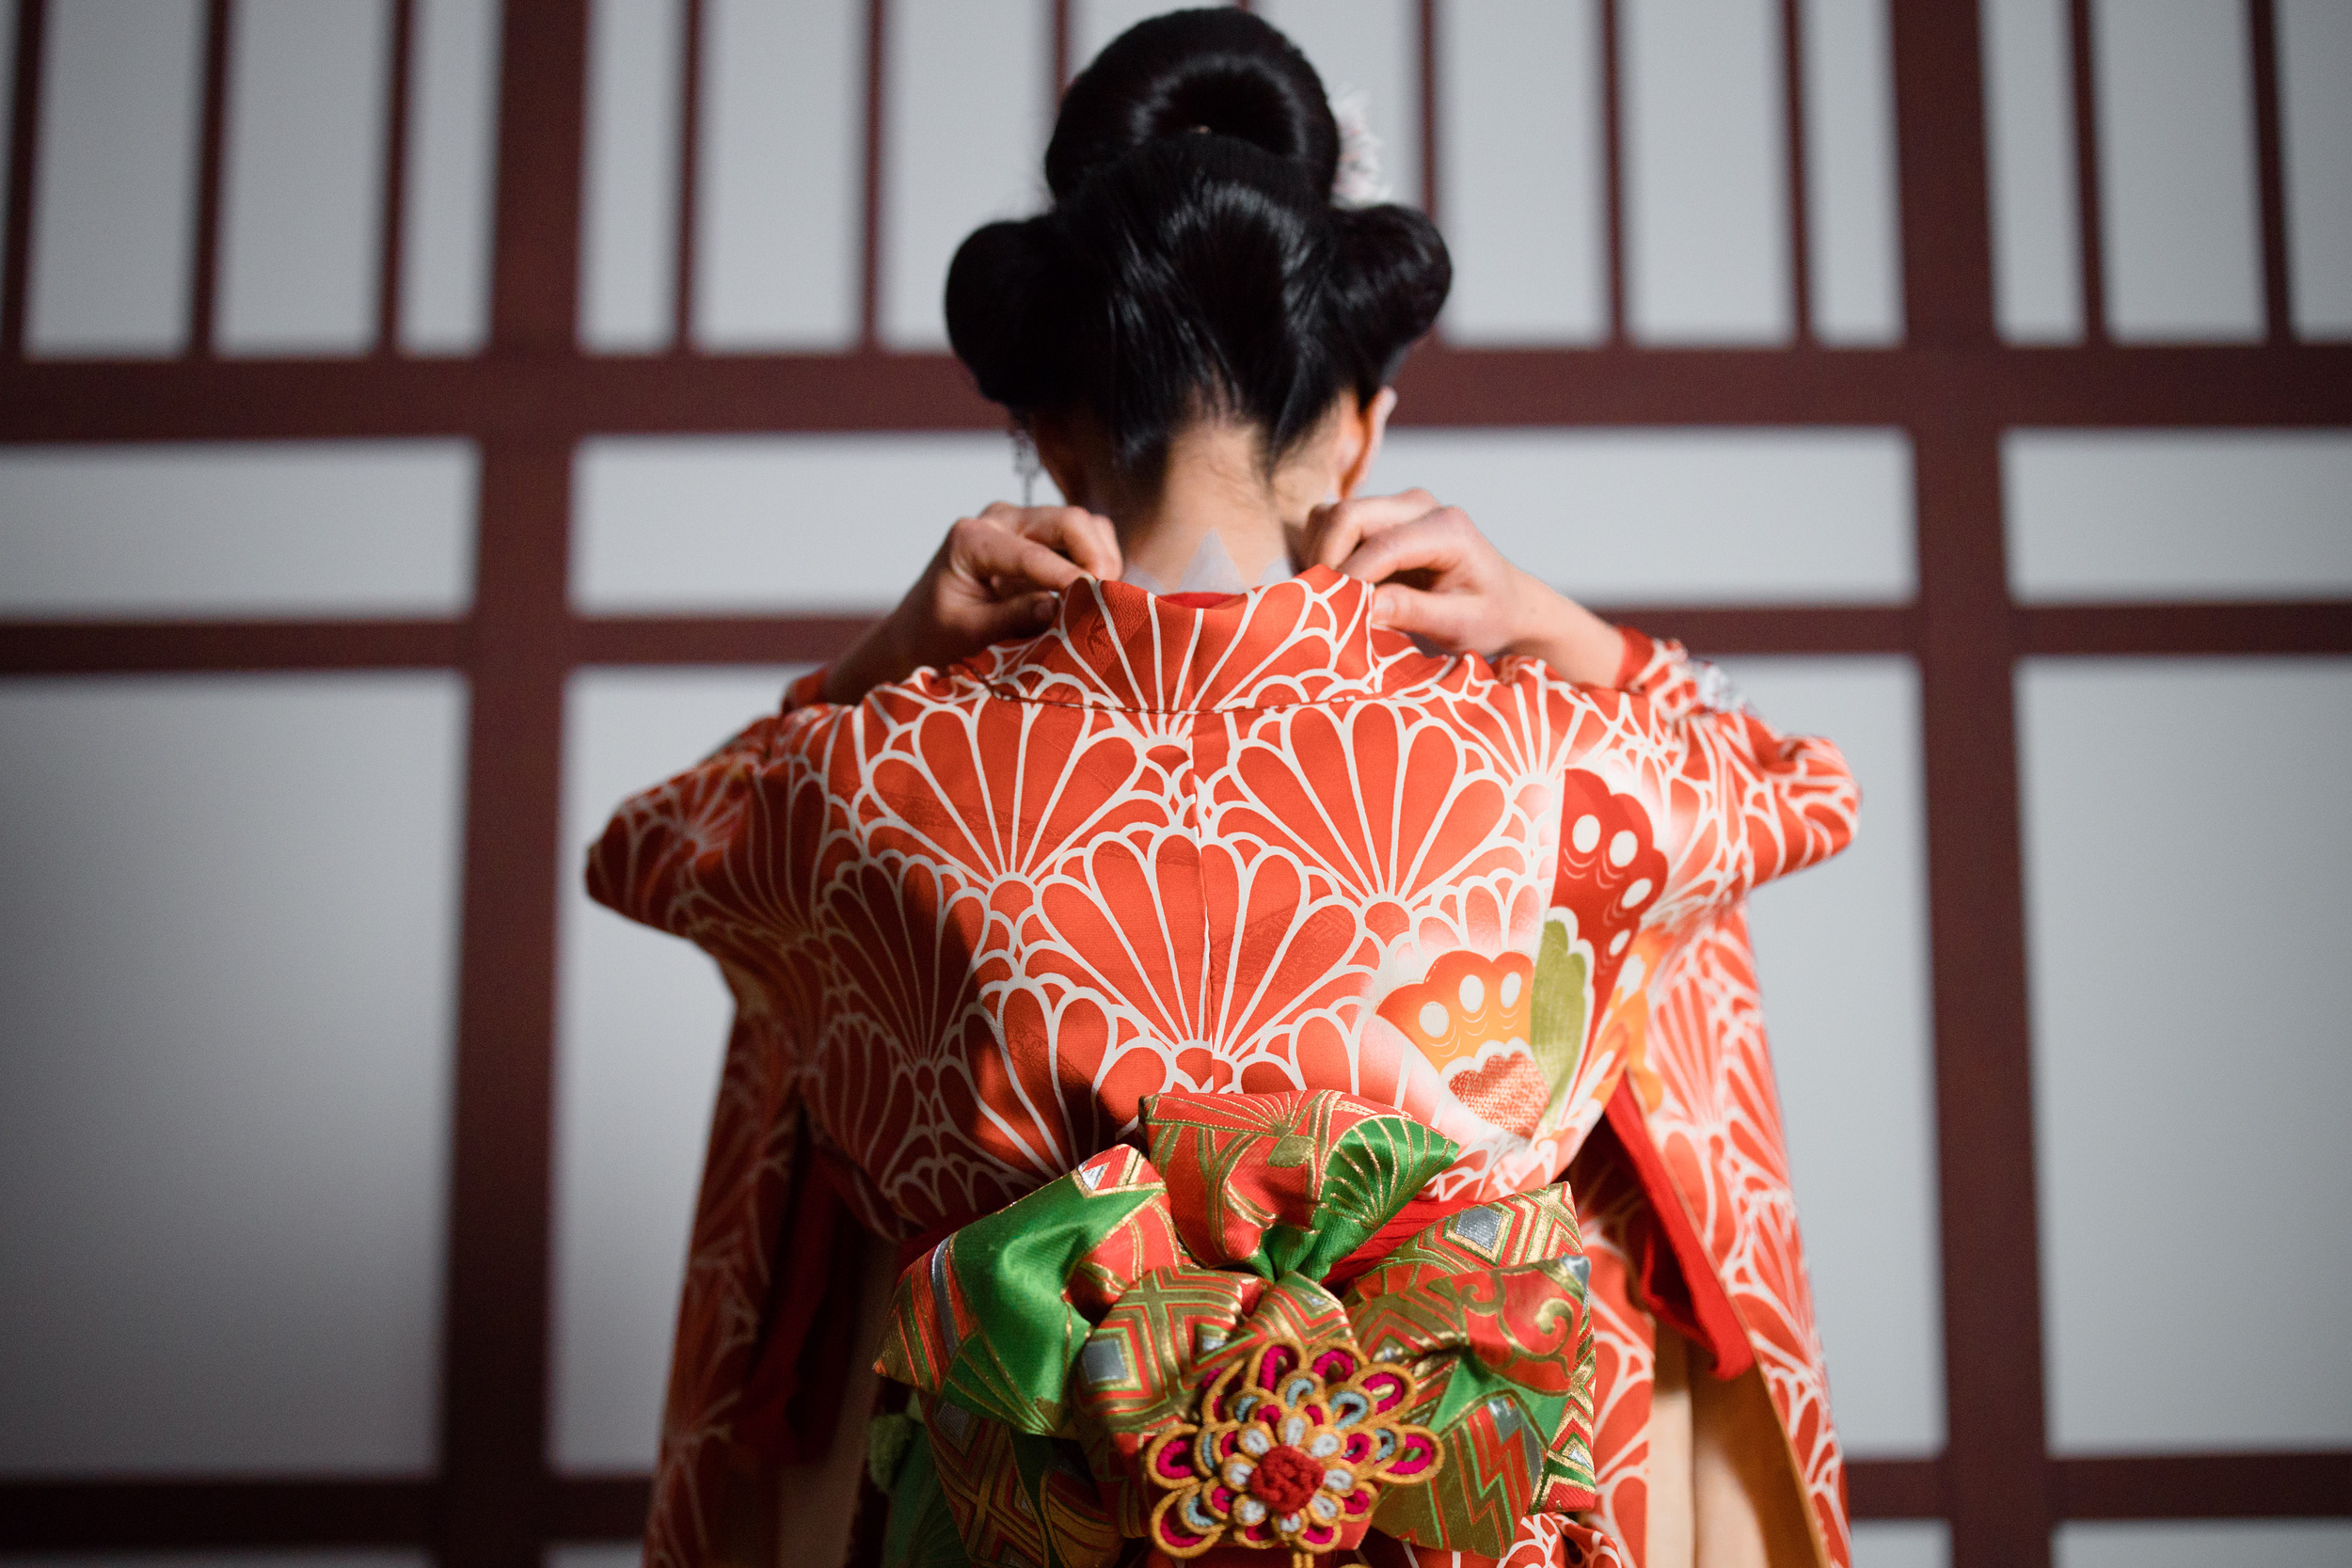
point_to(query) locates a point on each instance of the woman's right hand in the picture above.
(997, 576)
(1439, 579)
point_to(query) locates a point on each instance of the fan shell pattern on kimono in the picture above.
(973, 920)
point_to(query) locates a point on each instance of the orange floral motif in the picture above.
(1470, 1018)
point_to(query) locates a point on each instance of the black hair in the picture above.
(1192, 263)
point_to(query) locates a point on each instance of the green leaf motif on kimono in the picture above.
(1560, 1006)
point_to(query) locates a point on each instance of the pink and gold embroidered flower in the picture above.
(1292, 1444)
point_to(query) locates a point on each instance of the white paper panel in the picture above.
(2029, 128)
(1854, 227)
(969, 108)
(628, 218)
(1679, 516)
(2183, 236)
(2188, 881)
(775, 522)
(2179, 515)
(1705, 141)
(1372, 47)
(451, 182)
(289, 528)
(640, 1025)
(1901, 1543)
(114, 195)
(2241, 1544)
(2315, 105)
(1522, 155)
(1842, 956)
(227, 955)
(302, 192)
(779, 212)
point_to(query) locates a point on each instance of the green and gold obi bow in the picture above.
(1219, 1349)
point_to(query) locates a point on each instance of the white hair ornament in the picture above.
(1359, 182)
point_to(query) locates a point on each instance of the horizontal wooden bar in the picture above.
(558, 396)
(124, 1514)
(2103, 386)
(2285, 1486)
(1894, 1488)
(108, 647)
(604, 1507)
(100, 1516)
(714, 639)
(1712, 631)
(2307, 626)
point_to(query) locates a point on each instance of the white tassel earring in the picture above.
(1025, 463)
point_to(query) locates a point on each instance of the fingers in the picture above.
(1438, 542)
(1006, 562)
(1334, 531)
(1084, 537)
(1020, 615)
(1449, 620)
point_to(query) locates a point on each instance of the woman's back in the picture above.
(1251, 847)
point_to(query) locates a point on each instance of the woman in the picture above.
(1310, 1073)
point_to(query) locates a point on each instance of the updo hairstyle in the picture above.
(1193, 264)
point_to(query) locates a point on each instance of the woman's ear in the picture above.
(1370, 422)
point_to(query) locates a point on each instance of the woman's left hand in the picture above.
(1439, 579)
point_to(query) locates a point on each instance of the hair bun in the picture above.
(1180, 275)
(1222, 71)
(997, 285)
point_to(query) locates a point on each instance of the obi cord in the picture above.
(1261, 1338)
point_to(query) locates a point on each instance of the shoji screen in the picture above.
(422, 421)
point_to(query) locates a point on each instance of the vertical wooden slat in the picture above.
(2091, 207)
(2263, 24)
(1995, 1469)
(1998, 1476)
(494, 1349)
(1613, 153)
(1800, 204)
(869, 283)
(204, 285)
(688, 176)
(391, 241)
(534, 272)
(1063, 64)
(32, 28)
(1427, 22)
(1943, 191)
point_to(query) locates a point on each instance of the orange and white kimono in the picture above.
(1241, 846)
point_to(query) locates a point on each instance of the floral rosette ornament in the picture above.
(1266, 1337)
(1293, 1446)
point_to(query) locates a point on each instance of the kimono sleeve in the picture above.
(1737, 802)
(684, 856)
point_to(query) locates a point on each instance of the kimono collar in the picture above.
(1307, 640)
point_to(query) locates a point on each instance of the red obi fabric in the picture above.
(1172, 1324)
(1257, 847)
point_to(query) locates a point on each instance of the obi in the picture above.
(1265, 1337)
